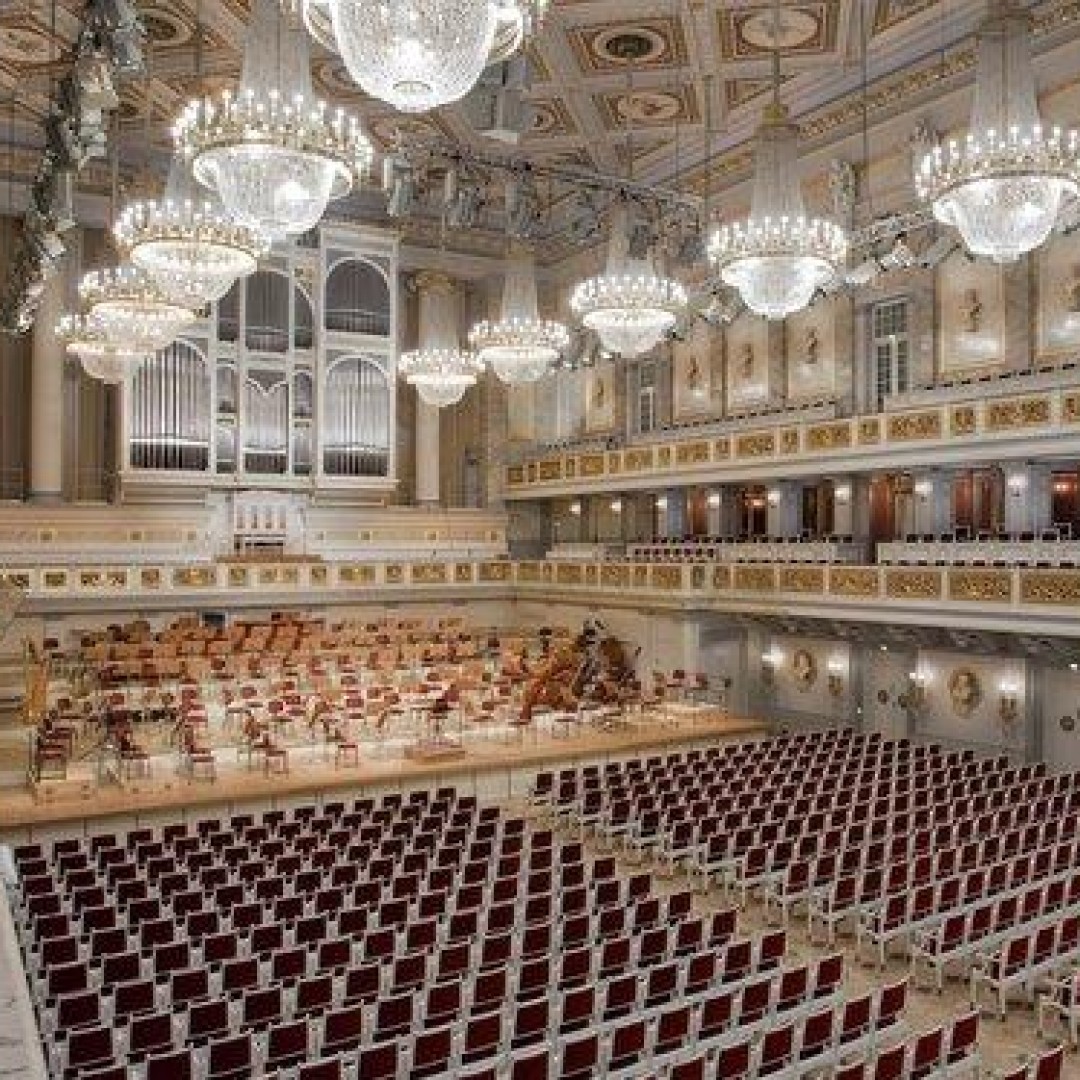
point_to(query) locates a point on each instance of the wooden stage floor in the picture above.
(80, 799)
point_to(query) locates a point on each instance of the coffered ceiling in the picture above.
(666, 90)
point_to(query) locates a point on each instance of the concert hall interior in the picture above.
(540, 539)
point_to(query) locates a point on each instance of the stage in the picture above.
(495, 762)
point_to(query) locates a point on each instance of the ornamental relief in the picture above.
(530, 571)
(614, 462)
(789, 441)
(57, 579)
(1028, 412)
(722, 448)
(150, 578)
(318, 575)
(549, 470)
(694, 453)
(638, 460)
(667, 577)
(1070, 408)
(194, 577)
(962, 420)
(829, 437)
(429, 574)
(641, 577)
(463, 572)
(721, 577)
(869, 431)
(614, 576)
(568, 574)
(395, 574)
(515, 474)
(591, 464)
(910, 427)
(356, 575)
(853, 581)
(990, 586)
(495, 571)
(755, 578)
(913, 584)
(802, 579)
(663, 456)
(1049, 587)
(761, 445)
(238, 577)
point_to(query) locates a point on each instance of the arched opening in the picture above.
(266, 312)
(357, 299)
(170, 411)
(266, 423)
(357, 418)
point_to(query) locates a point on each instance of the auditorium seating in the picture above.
(913, 849)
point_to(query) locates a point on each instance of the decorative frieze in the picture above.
(853, 581)
(829, 436)
(762, 444)
(962, 420)
(694, 453)
(495, 571)
(915, 427)
(982, 586)
(1050, 587)
(913, 584)
(802, 579)
(755, 578)
(591, 464)
(1024, 412)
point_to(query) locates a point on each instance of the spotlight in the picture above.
(523, 213)
(463, 198)
(583, 217)
(938, 251)
(496, 108)
(399, 182)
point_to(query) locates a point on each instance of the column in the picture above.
(842, 503)
(438, 310)
(784, 500)
(47, 394)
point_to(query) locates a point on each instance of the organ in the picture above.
(287, 382)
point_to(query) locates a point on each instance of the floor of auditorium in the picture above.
(495, 762)
(1002, 1044)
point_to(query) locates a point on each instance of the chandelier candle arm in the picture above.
(131, 309)
(630, 306)
(187, 243)
(778, 257)
(520, 346)
(273, 153)
(87, 339)
(1002, 185)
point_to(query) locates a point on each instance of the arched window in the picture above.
(357, 299)
(357, 417)
(170, 410)
(303, 415)
(266, 311)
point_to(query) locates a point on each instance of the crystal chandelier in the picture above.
(1003, 184)
(274, 155)
(419, 54)
(778, 257)
(520, 346)
(630, 306)
(441, 376)
(86, 338)
(131, 310)
(186, 242)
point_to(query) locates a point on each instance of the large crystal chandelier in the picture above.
(520, 346)
(1003, 184)
(439, 368)
(186, 242)
(778, 257)
(274, 154)
(441, 376)
(420, 54)
(131, 310)
(630, 306)
(87, 339)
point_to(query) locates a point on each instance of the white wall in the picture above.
(1060, 690)
(811, 695)
(982, 726)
